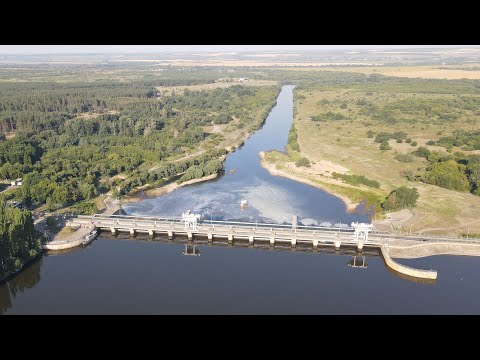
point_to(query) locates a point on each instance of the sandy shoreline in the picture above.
(351, 206)
(162, 190)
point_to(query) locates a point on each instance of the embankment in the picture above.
(351, 206)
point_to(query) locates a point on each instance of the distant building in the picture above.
(17, 182)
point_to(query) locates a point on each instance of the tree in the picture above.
(448, 174)
(302, 162)
(401, 198)
(422, 152)
(17, 237)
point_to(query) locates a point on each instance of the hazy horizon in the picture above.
(114, 49)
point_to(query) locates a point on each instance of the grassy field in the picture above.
(343, 146)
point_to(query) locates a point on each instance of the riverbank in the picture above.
(149, 192)
(236, 142)
(273, 170)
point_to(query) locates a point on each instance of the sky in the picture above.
(109, 49)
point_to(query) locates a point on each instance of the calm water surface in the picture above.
(141, 276)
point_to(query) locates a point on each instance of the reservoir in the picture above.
(122, 275)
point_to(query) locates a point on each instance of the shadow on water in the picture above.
(408, 277)
(25, 279)
(358, 260)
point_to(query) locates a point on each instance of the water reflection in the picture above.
(26, 279)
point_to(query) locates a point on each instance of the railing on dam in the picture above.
(177, 220)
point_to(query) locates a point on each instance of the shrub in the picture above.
(370, 134)
(404, 157)
(382, 137)
(328, 116)
(384, 146)
(401, 198)
(303, 162)
(414, 143)
(408, 141)
(356, 180)
(422, 152)
(430, 142)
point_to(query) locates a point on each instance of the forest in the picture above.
(69, 139)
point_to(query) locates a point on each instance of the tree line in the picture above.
(18, 239)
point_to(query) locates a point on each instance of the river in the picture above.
(120, 275)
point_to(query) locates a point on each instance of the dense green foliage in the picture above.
(449, 175)
(451, 171)
(422, 152)
(356, 180)
(292, 139)
(18, 241)
(434, 110)
(461, 138)
(328, 116)
(385, 136)
(302, 162)
(401, 198)
(185, 170)
(72, 137)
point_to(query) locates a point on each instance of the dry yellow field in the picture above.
(425, 72)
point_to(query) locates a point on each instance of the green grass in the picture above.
(356, 195)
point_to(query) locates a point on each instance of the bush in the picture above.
(370, 133)
(303, 162)
(292, 139)
(422, 152)
(357, 180)
(414, 143)
(382, 137)
(404, 157)
(384, 146)
(86, 208)
(430, 142)
(408, 141)
(401, 198)
(328, 116)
